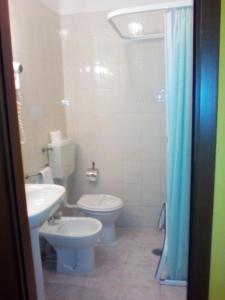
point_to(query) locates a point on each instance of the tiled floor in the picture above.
(123, 271)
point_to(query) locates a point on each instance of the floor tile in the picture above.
(124, 270)
(56, 291)
(128, 292)
(172, 293)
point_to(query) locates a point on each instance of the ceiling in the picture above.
(67, 7)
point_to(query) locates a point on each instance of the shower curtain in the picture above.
(179, 36)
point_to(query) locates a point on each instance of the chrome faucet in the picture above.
(56, 216)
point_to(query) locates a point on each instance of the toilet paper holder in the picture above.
(92, 173)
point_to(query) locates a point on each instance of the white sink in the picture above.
(42, 201)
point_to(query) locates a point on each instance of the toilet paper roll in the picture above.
(56, 137)
(92, 175)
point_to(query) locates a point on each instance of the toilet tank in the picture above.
(62, 158)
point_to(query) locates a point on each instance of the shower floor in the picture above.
(124, 270)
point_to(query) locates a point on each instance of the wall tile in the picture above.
(115, 114)
(151, 194)
(114, 117)
(150, 215)
(131, 172)
(132, 194)
(130, 217)
(151, 171)
(37, 46)
(151, 149)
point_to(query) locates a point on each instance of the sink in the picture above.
(42, 201)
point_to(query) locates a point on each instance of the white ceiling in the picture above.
(67, 7)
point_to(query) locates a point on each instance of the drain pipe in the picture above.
(64, 183)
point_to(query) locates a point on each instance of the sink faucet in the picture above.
(56, 216)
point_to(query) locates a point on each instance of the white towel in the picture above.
(46, 175)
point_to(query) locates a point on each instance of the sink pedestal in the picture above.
(37, 264)
(43, 200)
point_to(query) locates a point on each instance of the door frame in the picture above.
(205, 96)
(16, 254)
(17, 271)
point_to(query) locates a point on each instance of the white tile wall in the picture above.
(115, 117)
(36, 44)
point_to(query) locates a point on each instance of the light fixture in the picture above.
(135, 28)
(63, 33)
(65, 102)
(88, 69)
(100, 69)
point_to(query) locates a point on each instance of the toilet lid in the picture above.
(100, 202)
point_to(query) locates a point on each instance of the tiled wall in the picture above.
(115, 117)
(36, 44)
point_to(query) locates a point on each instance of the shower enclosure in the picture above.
(178, 36)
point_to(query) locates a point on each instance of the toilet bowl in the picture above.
(73, 239)
(105, 208)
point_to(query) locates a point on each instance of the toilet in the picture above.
(73, 238)
(105, 208)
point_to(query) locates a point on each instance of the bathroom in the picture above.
(82, 83)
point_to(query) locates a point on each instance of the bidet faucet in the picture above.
(56, 216)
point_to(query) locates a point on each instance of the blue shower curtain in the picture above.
(179, 36)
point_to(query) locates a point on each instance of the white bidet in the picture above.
(73, 239)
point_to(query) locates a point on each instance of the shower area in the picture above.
(118, 82)
(132, 116)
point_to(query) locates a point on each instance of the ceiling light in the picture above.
(135, 28)
(99, 69)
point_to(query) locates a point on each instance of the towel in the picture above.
(46, 175)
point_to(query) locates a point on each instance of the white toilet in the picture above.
(73, 239)
(105, 208)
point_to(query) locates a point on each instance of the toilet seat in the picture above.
(100, 203)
